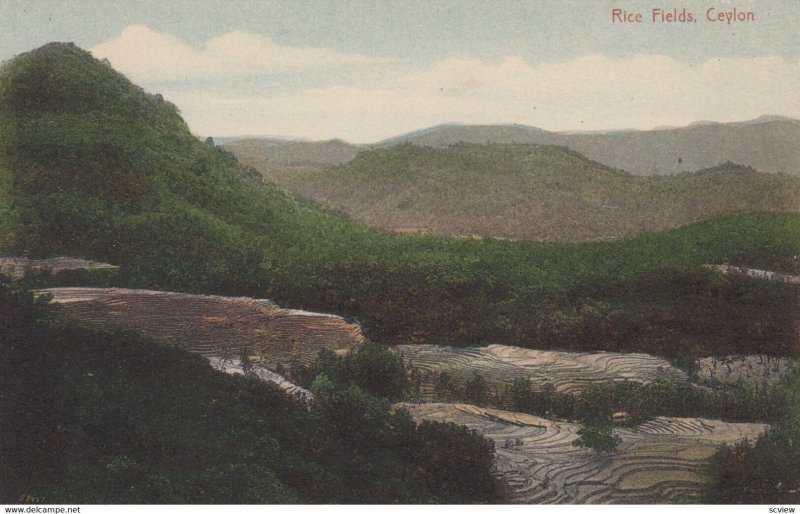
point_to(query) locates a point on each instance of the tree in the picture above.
(371, 367)
(520, 394)
(475, 390)
(600, 438)
(443, 387)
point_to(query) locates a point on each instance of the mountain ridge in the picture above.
(769, 143)
(534, 192)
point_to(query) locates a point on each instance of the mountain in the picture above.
(529, 192)
(92, 166)
(271, 156)
(770, 144)
(454, 133)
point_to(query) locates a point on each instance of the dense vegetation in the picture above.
(92, 166)
(526, 192)
(370, 367)
(101, 417)
(763, 471)
(766, 468)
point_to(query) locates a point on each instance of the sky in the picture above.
(364, 70)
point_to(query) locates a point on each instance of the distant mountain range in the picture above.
(770, 144)
(269, 155)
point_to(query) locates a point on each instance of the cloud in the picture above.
(593, 92)
(381, 99)
(149, 56)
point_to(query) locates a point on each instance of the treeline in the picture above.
(765, 470)
(102, 417)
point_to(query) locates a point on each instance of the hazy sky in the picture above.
(364, 70)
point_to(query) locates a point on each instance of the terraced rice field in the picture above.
(213, 326)
(756, 273)
(659, 462)
(234, 367)
(16, 267)
(566, 371)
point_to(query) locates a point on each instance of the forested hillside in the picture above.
(529, 192)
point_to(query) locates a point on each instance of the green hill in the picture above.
(92, 166)
(529, 192)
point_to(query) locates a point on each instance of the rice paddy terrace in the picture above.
(658, 462)
(774, 276)
(234, 366)
(17, 267)
(568, 372)
(213, 326)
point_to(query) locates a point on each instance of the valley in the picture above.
(458, 315)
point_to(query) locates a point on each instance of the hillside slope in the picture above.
(92, 166)
(529, 192)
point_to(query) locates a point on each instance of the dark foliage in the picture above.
(634, 402)
(600, 438)
(372, 367)
(765, 470)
